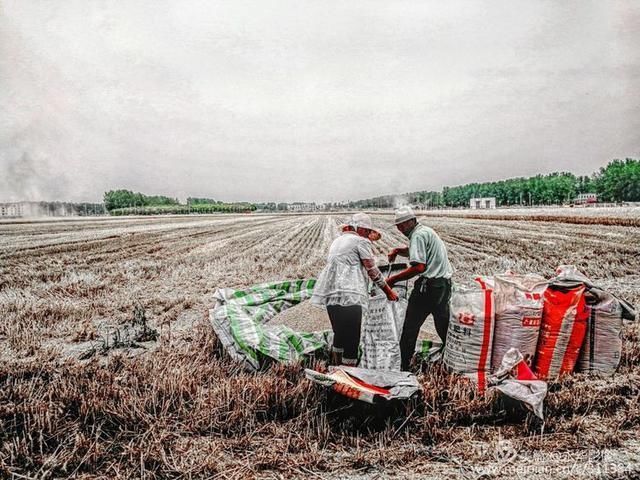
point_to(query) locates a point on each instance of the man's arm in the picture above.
(400, 251)
(412, 271)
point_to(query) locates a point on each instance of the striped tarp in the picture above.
(240, 319)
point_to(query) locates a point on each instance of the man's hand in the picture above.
(391, 295)
(402, 251)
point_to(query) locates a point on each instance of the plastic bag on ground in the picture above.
(531, 392)
(367, 385)
(518, 315)
(428, 350)
(470, 334)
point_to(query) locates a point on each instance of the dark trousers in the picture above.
(429, 296)
(345, 322)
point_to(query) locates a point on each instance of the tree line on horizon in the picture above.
(619, 181)
(127, 202)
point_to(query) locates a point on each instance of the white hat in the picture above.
(403, 214)
(361, 220)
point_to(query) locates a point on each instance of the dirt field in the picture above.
(175, 407)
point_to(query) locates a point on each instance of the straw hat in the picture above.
(403, 214)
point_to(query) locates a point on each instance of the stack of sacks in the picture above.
(558, 326)
(470, 334)
(518, 316)
(602, 346)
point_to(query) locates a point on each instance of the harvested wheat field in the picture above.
(110, 369)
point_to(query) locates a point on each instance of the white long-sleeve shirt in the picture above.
(345, 278)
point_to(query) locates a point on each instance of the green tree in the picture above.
(619, 181)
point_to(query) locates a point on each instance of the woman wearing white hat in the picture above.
(343, 286)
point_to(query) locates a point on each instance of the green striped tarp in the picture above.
(240, 319)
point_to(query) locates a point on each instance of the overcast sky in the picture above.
(310, 100)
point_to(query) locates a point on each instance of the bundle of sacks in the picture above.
(559, 326)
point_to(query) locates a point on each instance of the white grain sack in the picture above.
(518, 315)
(470, 334)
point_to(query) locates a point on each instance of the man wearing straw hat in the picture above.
(432, 290)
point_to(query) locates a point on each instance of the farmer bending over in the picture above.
(432, 290)
(343, 286)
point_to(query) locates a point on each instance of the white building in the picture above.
(10, 210)
(302, 207)
(483, 203)
(36, 209)
(20, 209)
(583, 198)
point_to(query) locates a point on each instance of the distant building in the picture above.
(302, 207)
(10, 210)
(586, 198)
(20, 209)
(482, 203)
(48, 209)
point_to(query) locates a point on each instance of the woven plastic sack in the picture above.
(367, 385)
(507, 380)
(518, 316)
(564, 324)
(380, 335)
(470, 334)
(602, 345)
